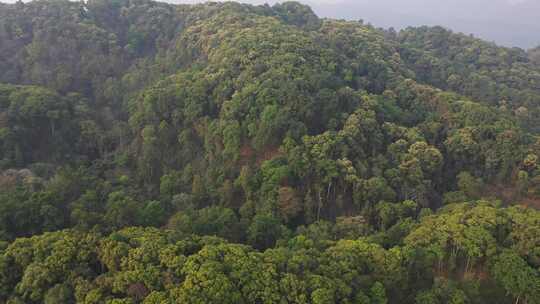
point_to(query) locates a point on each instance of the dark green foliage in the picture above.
(503, 77)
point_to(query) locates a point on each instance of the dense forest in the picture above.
(230, 153)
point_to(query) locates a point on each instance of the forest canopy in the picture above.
(231, 153)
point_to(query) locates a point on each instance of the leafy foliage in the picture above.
(264, 155)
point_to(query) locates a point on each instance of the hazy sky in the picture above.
(507, 22)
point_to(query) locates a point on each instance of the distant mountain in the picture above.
(507, 22)
(510, 23)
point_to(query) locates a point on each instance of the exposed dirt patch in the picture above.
(510, 196)
(248, 154)
(533, 202)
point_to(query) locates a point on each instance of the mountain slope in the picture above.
(259, 125)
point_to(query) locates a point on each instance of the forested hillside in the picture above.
(229, 153)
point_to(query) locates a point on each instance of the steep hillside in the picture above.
(303, 138)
